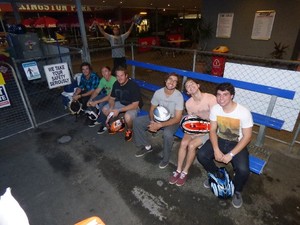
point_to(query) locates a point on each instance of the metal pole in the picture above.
(86, 54)
(295, 137)
(132, 57)
(194, 66)
(16, 11)
(262, 129)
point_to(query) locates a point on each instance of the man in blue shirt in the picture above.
(88, 83)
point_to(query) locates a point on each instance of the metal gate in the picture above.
(31, 102)
(15, 116)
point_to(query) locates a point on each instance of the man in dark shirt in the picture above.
(125, 98)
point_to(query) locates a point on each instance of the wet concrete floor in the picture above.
(98, 175)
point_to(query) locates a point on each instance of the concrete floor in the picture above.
(99, 175)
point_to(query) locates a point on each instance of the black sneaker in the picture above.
(93, 123)
(206, 184)
(142, 152)
(237, 200)
(102, 129)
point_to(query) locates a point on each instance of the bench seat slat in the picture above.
(267, 121)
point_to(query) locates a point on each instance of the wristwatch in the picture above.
(231, 154)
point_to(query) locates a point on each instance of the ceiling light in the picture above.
(143, 13)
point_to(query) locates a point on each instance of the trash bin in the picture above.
(218, 62)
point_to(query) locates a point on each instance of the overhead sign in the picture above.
(49, 8)
(4, 100)
(57, 75)
(31, 70)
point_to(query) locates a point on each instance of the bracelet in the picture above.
(231, 154)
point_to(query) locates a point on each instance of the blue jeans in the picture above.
(240, 161)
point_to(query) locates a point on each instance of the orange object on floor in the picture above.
(94, 220)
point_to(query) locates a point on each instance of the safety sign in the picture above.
(57, 75)
(31, 70)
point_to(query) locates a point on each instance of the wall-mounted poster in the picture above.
(263, 25)
(224, 25)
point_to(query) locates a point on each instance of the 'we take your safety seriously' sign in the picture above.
(57, 75)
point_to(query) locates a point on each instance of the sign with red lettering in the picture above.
(48, 8)
(4, 100)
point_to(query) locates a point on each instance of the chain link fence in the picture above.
(203, 62)
(15, 116)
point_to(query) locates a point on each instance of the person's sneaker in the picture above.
(128, 135)
(93, 123)
(206, 184)
(143, 151)
(102, 129)
(173, 179)
(181, 180)
(163, 164)
(237, 200)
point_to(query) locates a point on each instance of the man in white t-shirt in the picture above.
(230, 132)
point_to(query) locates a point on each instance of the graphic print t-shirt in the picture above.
(230, 124)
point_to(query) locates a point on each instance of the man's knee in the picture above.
(202, 154)
(243, 170)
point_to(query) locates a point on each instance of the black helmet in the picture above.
(75, 107)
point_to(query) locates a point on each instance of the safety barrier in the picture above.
(256, 164)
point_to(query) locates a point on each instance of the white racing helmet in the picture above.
(161, 114)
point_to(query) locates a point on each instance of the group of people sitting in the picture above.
(230, 123)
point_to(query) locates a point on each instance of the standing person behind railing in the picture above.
(170, 98)
(199, 104)
(230, 132)
(117, 39)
